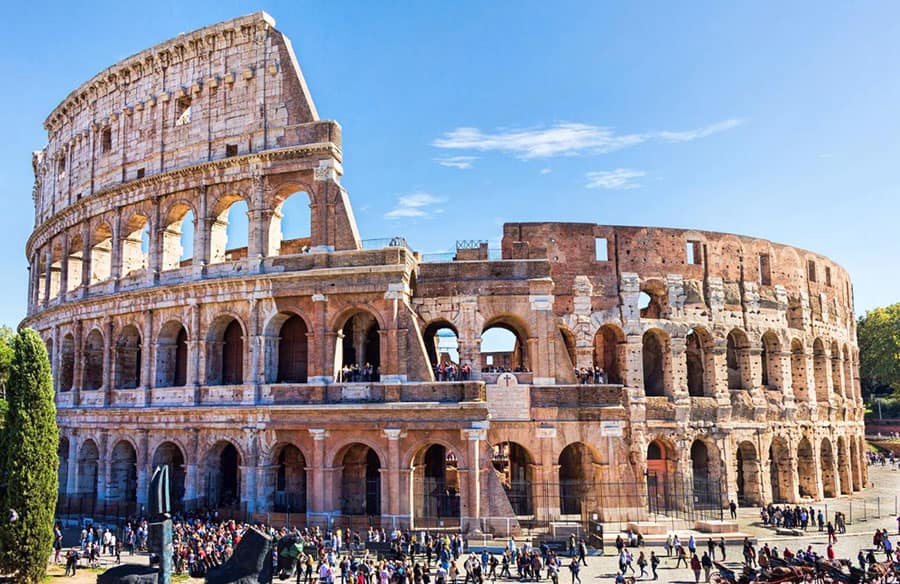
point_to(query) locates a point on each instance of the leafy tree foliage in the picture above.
(879, 350)
(29, 469)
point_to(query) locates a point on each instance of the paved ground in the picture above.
(875, 509)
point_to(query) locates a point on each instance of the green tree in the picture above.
(31, 467)
(879, 350)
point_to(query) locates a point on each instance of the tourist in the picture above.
(707, 563)
(642, 564)
(654, 564)
(732, 506)
(722, 547)
(695, 568)
(574, 568)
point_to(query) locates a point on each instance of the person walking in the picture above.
(654, 564)
(582, 552)
(722, 547)
(642, 564)
(695, 568)
(574, 568)
(732, 506)
(707, 564)
(681, 556)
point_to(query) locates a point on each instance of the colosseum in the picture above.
(652, 372)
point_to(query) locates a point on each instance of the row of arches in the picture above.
(100, 253)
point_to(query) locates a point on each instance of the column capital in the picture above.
(318, 434)
(474, 434)
(546, 432)
(393, 433)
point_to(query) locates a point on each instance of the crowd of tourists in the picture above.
(804, 518)
(587, 375)
(496, 369)
(356, 373)
(449, 371)
(882, 459)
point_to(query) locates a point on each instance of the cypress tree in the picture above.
(31, 466)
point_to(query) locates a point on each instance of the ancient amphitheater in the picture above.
(730, 363)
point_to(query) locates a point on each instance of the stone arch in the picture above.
(219, 243)
(128, 358)
(179, 214)
(101, 254)
(657, 362)
(569, 344)
(737, 358)
(360, 475)
(849, 386)
(843, 466)
(806, 468)
(88, 469)
(288, 212)
(798, 372)
(770, 361)
(67, 363)
(170, 453)
(514, 466)
(610, 353)
(134, 244)
(75, 262)
(287, 348)
(836, 370)
(519, 358)
(700, 362)
(290, 488)
(820, 375)
(122, 484)
(706, 473)
(171, 355)
(92, 374)
(358, 346)
(56, 261)
(781, 470)
(653, 300)
(221, 475)
(749, 474)
(577, 481)
(432, 334)
(435, 485)
(225, 354)
(662, 472)
(826, 458)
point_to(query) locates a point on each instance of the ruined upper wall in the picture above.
(224, 90)
(656, 253)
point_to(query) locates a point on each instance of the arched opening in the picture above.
(849, 386)
(798, 372)
(87, 469)
(93, 361)
(770, 361)
(656, 359)
(122, 484)
(67, 363)
(843, 465)
(360, 480)
(854, 465)
(171, 355)
(293, 350)
(653, 300)
(128, 358)
(609, 353)
(662, 466)
(577, 492)
(568, 343)
(737, 349)
(225, 352)
(135, 245)
(503, 346)
(358, 353)
(229, 232)
(836, 370)
(442, 346)
(704, 466)
(749, 471)
(222, 476)
(780, 471)
(290, 480)
(101, 254)
(56, 261)
(700, 363)
(178, 237)
(289, 228)
(170, 454)
(435, 472)
(75, 263)
(829, 480)
(820, 371)
(41, 266)
(514, 467)
(62, 474)
(806, 468)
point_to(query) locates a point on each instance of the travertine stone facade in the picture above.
(726, 360)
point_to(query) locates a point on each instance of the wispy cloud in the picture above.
(416, 205)
(460, 162)
(565, 139)
(546, 170)
(619, 179)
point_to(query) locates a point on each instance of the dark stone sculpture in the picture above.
(251, 562)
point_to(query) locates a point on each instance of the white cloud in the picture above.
(416, 205)
(620, 179)
(546, 170)
(460, 162)
(565, 139)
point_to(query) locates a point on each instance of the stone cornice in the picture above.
(40, 233)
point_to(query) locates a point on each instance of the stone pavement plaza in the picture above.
(602, 568)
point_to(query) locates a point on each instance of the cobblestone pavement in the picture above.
(875, 508)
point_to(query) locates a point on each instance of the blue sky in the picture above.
(772, 119)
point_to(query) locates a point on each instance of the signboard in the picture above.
(612, 428)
